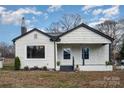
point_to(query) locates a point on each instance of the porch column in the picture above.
(56, 54)
(83, 59)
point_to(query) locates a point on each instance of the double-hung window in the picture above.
(67, 53)
(85, 53)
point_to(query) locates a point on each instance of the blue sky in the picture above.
(42, 16)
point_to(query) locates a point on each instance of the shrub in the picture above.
(108, 63)
(26, 68)
(40, 68)
(34, 68)
(77, 66)
(17, 63)
(58, 63)
(45, 68)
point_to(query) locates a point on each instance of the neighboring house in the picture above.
(1, 60)
(82, 46)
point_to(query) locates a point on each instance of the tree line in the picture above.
(6, 50)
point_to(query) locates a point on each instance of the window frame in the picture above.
(63, 54)
(86, 53)
(35, 58)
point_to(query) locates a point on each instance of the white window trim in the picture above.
(63, 53)
(89, 53)
(34, 58)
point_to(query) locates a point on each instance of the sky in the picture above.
(41, 16)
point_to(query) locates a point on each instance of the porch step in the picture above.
(66, 68)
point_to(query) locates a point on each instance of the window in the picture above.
(85, 53)
(35, 52)
(67, 53)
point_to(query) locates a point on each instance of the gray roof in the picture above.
(55, 36)
(54, 33)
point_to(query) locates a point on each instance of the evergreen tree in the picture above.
(17, 63)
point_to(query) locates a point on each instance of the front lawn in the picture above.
(11, 78)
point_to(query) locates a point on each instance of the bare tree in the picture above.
(69, 21)
(109, 27)
(6, 50)
(54, 27)
(114, 30)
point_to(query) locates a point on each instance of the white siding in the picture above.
(98, 54)
(22, 43)
(76, 40)
(83, 35)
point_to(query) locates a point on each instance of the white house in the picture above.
(83, 46)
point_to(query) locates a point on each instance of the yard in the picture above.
(11, 78)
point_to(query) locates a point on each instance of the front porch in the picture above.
(88, 57)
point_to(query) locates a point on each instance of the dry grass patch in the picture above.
(11, 78)
(58, 79)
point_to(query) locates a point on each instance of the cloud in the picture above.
(45, 16)
(14, 17)
(100, 20)
(114, 10)
(54, 8)
(22, 11)
(97, 11)
(51, 9)
(88, 7)
(109, 12)
(2, 9)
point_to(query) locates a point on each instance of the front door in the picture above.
(66, 56)
(67, 64)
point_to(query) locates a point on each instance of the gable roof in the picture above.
(56, 37)
(35, 29)
(88, 27)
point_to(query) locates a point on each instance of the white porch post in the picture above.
(57, 67)
(54, 55)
